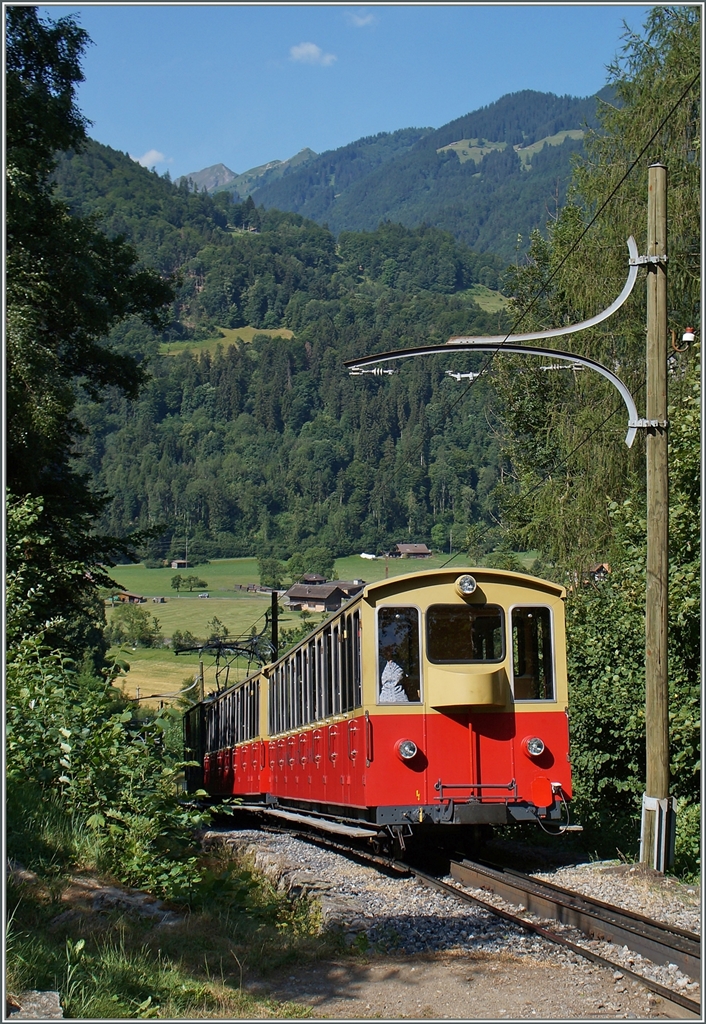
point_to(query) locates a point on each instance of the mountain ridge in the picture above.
(507, 184)
(219, 178)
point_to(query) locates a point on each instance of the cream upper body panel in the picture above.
(482, 685)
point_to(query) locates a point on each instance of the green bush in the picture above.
(687, 862)
(75, 743)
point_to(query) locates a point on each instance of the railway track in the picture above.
(659, 943)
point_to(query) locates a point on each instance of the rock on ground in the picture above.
(35, 1006)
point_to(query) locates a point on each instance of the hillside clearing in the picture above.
(226, 336)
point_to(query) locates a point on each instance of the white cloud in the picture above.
(150, 158)
(360, 20)
(310, 53)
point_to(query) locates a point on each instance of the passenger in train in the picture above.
(391, 691)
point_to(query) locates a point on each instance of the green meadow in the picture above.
(526, 153)
(476, 149)
(226, 336)
(156, 672)
(472, 149)
(489, 300)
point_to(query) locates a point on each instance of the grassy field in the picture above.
(526, 153)
(472, 149)
(476, 149)
(158, 671)
(489, 300)
(221, 576)
(229, 337)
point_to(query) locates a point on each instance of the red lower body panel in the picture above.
(355, 764)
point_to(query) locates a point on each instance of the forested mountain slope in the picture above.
(271, 447)
(486, 177)
(336, 170)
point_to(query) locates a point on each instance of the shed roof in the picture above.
(301, 590)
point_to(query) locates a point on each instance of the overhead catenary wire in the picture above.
(535, 487)
(542, 289)
(574, 245)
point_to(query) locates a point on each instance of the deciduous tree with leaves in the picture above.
(67, 285)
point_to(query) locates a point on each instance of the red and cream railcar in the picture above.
(434, 698)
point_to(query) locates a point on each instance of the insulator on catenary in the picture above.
(376, 371)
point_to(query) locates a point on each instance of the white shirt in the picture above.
(390, 690)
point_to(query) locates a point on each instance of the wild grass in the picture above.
(115, 964)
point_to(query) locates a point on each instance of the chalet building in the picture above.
(312, 579)
(315, 598)
(351, 588)
(412, 551)
(597, 573)
(127, 598)
(179, 563)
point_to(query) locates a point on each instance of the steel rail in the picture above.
(667, 994)
(660, 943)
(391, 864)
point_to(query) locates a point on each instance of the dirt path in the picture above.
(462, 987)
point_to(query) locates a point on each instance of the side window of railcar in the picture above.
(532, 661)
(464, 633)
(399, 680)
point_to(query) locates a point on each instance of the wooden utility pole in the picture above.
(656, 674)
(275, 625)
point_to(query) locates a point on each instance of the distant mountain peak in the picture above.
(220, 178)
(209, 178)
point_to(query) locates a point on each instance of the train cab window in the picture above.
(464, 633)
(532, 663)
(399, 679)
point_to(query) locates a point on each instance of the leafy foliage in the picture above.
(575, 493)
(133, 625)
(606, 630)
(67, 285)
(72, 738)
(561, 427)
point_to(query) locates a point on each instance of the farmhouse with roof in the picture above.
(316, 598)
(412, 551)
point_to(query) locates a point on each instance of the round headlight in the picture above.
(466, 584)
(407, 749)
(534, 746)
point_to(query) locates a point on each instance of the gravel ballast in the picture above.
(402, 919)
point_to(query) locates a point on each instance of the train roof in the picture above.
(481, 575)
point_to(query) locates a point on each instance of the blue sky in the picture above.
(184, 86)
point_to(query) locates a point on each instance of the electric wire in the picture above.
(574, 245)
(535, 487)
(527, 309)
